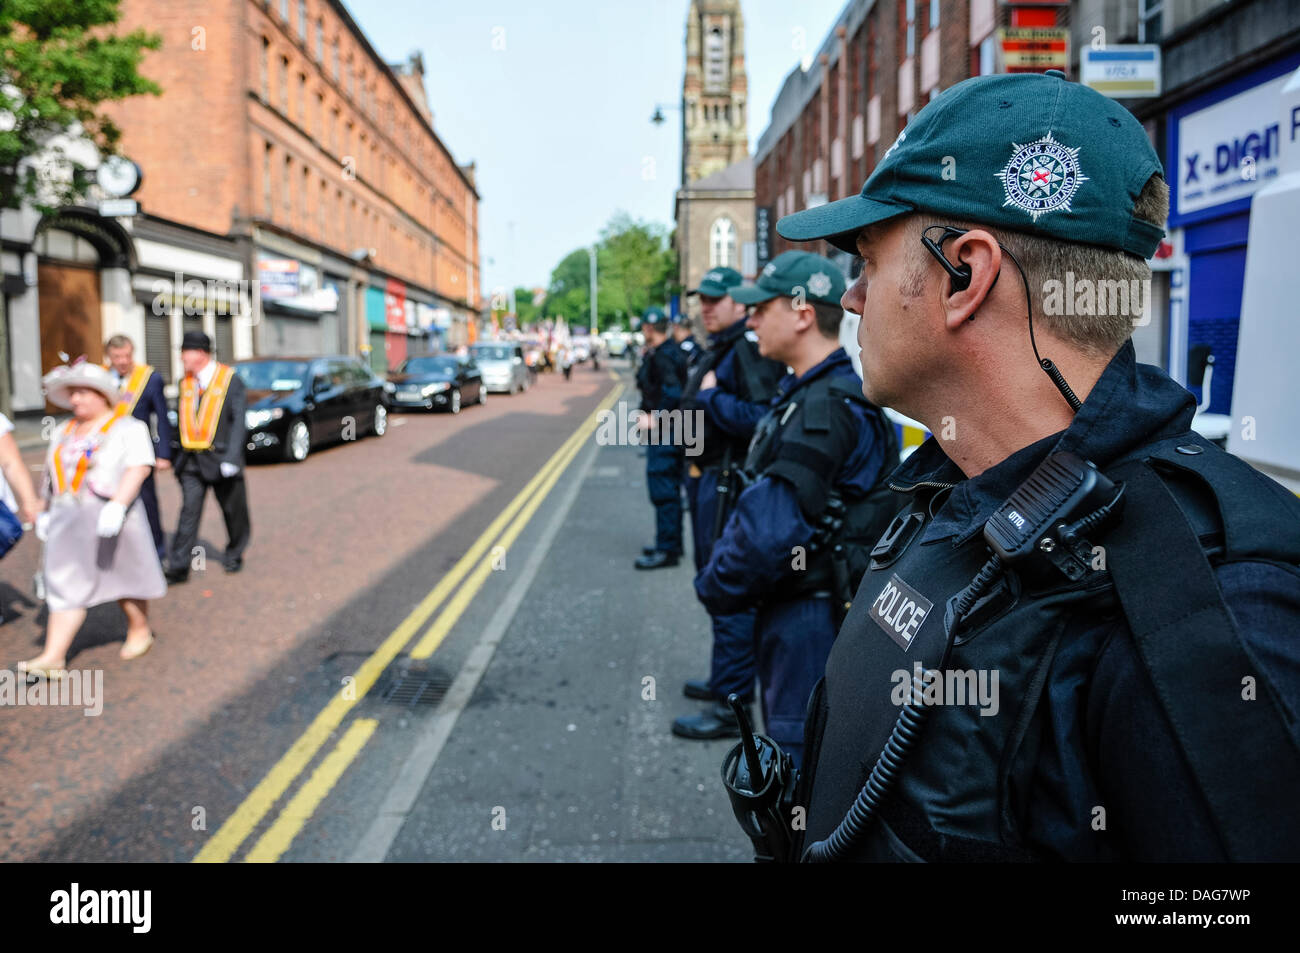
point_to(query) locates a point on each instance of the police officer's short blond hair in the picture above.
(1049, 259)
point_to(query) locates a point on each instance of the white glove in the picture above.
(111, 518)
(229, 469)
(42, 526)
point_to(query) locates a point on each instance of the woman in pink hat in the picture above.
(98, 545)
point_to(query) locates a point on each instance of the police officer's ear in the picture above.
(978, 253)
(805, 315)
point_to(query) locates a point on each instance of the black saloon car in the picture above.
(437, 380)
(297, 403)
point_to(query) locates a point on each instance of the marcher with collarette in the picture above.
(211, 434)
(98, 547)
(141, 387)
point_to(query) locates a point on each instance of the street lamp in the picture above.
(658, 117)
(591, 253)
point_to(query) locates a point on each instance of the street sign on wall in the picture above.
(762, 235)
(1122, 72)
(1035, 49)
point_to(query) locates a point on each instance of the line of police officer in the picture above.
(789, 455)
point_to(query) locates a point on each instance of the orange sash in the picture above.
(83, 463)
(198, 425)
(135, 385)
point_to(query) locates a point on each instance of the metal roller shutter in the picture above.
(158, 344)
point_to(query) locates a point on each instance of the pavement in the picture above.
(472, 577)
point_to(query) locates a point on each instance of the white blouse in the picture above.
(128, 443)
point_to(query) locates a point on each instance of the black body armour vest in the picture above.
(756, 377)
(961, 793)
(805, 440)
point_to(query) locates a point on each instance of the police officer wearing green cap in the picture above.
(660, 377)
(787, 549)
(1077, 641)
(730, 387)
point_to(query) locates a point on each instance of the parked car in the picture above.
(444, 381)
(503, 366)
(616, 342)
(298, 403)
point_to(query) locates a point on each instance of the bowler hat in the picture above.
(196, 341)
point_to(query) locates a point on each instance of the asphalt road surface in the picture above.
(438, 650)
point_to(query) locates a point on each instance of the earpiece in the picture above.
(960, 274)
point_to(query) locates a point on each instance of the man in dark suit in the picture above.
(210, 453)
(142, 393)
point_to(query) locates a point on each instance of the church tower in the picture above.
(714, 91)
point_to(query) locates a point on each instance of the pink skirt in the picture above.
(83, 570)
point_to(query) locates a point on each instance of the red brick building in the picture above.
(282, 128)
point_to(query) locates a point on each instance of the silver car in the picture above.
(503, 367)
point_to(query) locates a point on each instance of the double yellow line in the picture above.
(476, 564)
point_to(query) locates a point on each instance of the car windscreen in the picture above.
(428, 365)
(273, 375)
(492, 353)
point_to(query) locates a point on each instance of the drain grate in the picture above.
(415, 685)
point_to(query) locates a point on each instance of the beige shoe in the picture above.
(40, 671)
(128, 653)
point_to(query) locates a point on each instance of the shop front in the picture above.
(300, 309)
(1224, 146)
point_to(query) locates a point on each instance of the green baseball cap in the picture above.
(717, 282)
(1030, 152)
(654, 316)
(791, 274)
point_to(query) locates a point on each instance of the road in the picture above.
(437, 650)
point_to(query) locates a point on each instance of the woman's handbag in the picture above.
(10, 529)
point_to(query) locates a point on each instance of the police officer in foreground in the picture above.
(1133, 588)
(813, 462)
(730, 386)
(660, 377)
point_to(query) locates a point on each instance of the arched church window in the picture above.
(722, 244)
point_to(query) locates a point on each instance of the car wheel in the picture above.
(297, 442)
(482, 394)
(454, 406)
(380, 424)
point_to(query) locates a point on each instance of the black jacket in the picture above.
(227, 444)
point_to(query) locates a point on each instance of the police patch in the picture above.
(899, 610)
(1041, 177)
(819, 284)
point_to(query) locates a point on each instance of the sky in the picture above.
(553, 101)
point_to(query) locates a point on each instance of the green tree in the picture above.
(58, 62)
(528, 312)
(636, 268)
(569, 292)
